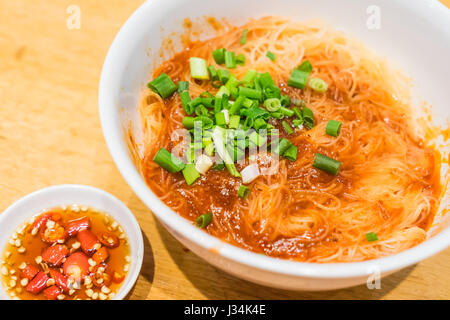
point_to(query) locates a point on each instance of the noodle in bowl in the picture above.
(392, 181)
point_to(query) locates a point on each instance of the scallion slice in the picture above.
(240, 59)
(230, 60)
(188, 122)
(272, 104)
(271, 55)
(298, 79)
(190, 173)
(234, 121)
(333, 128)
(287, 127)
(163, 85)
(291, 153)
(213, 73)
(243, 191)
(220, 119)
(249, 77)
(219, 55)
(318, 85)
(371, 236)
(282, 146)
(327, 164)
(199, 68)
(250, 93)
(243, 39)
(168, 161)
(308, 117)
(204, 220)
(223, 75)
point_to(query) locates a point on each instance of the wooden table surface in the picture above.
(50, 134)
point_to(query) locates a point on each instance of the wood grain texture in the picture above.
(50, 134)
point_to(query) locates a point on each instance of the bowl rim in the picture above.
(112, 130)
(124, 212)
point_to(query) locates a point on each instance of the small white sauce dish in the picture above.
(65, 195)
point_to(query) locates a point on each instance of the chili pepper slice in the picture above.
(109, 240)
(55, 234)
(60, 280)
(29, 272)
(101, 255)
(101, 279)
(55, 255)
(76, 265)
(38, 283)
(40, 221)
(52, 292)
(88, 240)
(75, 226)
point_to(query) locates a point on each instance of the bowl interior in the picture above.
(34, 203)
(139, 48)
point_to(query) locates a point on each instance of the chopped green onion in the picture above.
(272, 104)
(277, 115)
(371, 236)
(298, 79)
(218, 167)
(213, 73)
(243, 191)
(298, 113)
(190, 173)
(333, 128)
(163, 85)
(282, 146)
(230, 60)
(318, 85)
(183, 86)
(232, 83)
(248, 123)
(259, 124)
(222, 90)
(257, 139)
(199, 68)
(327, 164)
(287, 127)
(271, 55)
(234, 121)
(305, 66)
(248, 103)
(297, 123)
(250, 93)
(204, 220)
(168, 161)
(206, 122)
(291, 153)
(287, 112)
(223, 75)
(185, 101)
(237, 105)
(209, 149)
(285, 100)
(308, 117)
(188, 122)
(243, 39)
(265, 80)
(240, 59)
(220, 119)
(249, 77)
(219, 55)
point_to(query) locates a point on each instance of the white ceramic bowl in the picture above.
(35, 202)
(415, 35)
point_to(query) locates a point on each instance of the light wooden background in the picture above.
(50, 134)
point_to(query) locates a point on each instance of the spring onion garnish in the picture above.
(234, 122)
(222, 90)
(250, 173)
(204, 220)
(243, 39)
(223, 75)
(203, 163)
(259, 124)
(219, 55)
(272, 104)
(163, 85)
(257, 139)
(243, 191)
(371, 236)
(318, 85)
(287, 112)
(240, 59)
(308, 117)
(283, 145)
(250, 93)
(219, 144)
(333, 128)
(265, 80)
(183, 89)
(249, 77)
(271, 55)
(299, 76)
(220, 119)
(327, 164)
(291, 153)
(287, 127)
(168, 161)
(188, 122)
(199, 68)
(230, 60)
(190, 173)
(213, 73)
